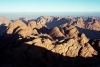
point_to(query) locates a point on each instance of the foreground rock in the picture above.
(37, 51)
(33, 45)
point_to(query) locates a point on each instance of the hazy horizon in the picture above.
(49, 5)
(33, 15)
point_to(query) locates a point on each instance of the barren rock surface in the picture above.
(36, 44)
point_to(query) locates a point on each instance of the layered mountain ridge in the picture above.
(51, 42)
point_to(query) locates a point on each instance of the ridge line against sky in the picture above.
(49, 5)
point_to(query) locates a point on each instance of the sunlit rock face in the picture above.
(93, 24)
(4, 20)
(19, 29)
(32, 24)
(80, 23)
(71, 31)
(88, 51)
(56, 32)
(14, 25)
(34, 44)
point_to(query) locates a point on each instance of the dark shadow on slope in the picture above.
(23, 20)
(90, 33)
(12, 20)
(44, 30)
(26, 55)
(2, 29)
(96, 45)
(56, 22)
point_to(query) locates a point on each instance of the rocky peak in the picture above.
(32, 24)
(56, 32)
(71, 31)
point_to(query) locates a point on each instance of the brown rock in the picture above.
(62, 31)
(80, 22)
(43, 41)
(37, 41)
(4, 20)
(39, 25)
(25, 32)
(34, 31)
(18, 28)
(63, 25)
(93, 24)
(56, 32)
(83, 39)
(47, 43)
(45, 36)
(12, 26)
(88, 51)
(32, 24)
(69, 48)
(71, 31)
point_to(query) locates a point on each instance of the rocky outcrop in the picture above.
(83, 39)
(40, 50)
(55, 33)
(18, 28)
(25, 32)
(93, 24)
(12, 26)
(32, 24)
(88, 51)
(80, 23)
(33, 45)
(39, 25)
(71, 31)
(34, 31)
(36, 25)
(4, 20)
(69, 48)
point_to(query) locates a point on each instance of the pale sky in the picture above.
(49, 5)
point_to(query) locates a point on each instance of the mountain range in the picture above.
(50, 41)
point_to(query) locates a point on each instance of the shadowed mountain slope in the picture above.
(63, 44)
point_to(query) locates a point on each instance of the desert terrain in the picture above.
(50, 41)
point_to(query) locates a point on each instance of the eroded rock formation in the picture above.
(34, 45)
